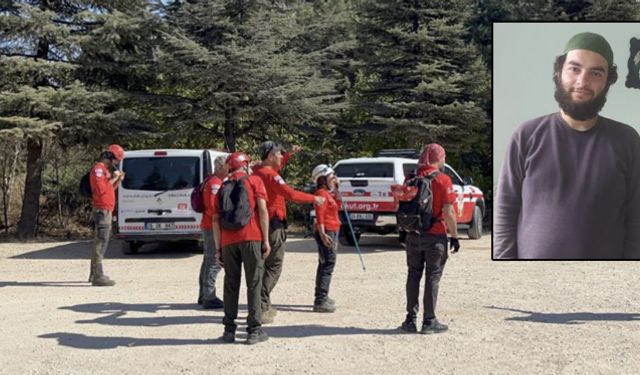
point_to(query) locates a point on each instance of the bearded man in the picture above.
(569, 187)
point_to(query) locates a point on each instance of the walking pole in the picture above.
(353, 234)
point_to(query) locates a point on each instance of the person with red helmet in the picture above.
(103, 186)
(210, 268)
(326, 234)
(427, 249)
(241, 233)
(272, 155)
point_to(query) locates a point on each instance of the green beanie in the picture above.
(591, 42)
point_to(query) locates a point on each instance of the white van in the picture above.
(154, 199)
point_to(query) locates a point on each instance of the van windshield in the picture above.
(371, 170)
(166, 173)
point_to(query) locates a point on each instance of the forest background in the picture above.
(340, 78)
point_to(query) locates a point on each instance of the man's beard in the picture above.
(580, 111)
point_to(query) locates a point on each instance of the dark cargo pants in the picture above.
(273, 264)
(209, 269)
(326, 263)
(102, 231)
(249, 254)
(426, 253)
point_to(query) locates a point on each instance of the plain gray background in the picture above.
(523, 56)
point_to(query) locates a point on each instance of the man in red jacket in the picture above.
(278, 192)
(238, 244)
(103, 195)
(210, 268)
(428, 249)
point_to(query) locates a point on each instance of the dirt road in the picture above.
(504, 317)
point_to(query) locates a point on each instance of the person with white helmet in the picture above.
(326, 234)
(103, 196)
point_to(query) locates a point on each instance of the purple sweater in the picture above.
(568, 194)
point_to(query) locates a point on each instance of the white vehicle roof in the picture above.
(169, 151)
(388, 159)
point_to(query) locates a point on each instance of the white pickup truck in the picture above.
(365, 184)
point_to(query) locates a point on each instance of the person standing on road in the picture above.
(428, 249)
(278, 191)
(569, 187)
(326, 234)
(241, 232)
(210, 268)
(103, 185)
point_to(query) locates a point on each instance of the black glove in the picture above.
(454, 244)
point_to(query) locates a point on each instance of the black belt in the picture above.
(277, 223)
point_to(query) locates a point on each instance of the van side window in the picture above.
(409, 168)
(454, 177)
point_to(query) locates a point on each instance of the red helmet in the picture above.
(117, 151)
(431, 154)
(237, 160)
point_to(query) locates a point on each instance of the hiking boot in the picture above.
(268, 316)
(98, 278)
(433, 326)
(409, 326)
(215, 303)
(324, 307)
(102, 280)
(229, 337)
(256, 336)
(331, 301)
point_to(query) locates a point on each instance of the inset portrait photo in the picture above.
(566, 162)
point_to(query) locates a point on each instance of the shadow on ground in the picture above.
(82, 250)
(80, 341)
(65, 284)
(369, 243)
(566, 318)
(116, 316)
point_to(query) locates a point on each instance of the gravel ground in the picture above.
(504, 317)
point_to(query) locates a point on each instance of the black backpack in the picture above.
(233, 204)
(85, 186)
(416, 215)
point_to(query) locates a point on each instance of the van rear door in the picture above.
(365, 187)
(154, 197)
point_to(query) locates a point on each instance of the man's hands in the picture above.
(326, 240)
(219, 255)
(295, 149)
(119, 175)
(266, 249)
(454, 244)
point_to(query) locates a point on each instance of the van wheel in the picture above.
(131, 247)
(475, 229)
(345, 238)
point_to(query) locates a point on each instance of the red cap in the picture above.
(237, 160)
(117, 151)
(432, 153)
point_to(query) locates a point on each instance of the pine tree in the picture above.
(49, 89)
(234, 69)
(420, 78)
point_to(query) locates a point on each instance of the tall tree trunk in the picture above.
(230, 127)
(33, 181)
(32, 189)
(8, 172)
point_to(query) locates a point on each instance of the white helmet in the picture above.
(321, 170)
